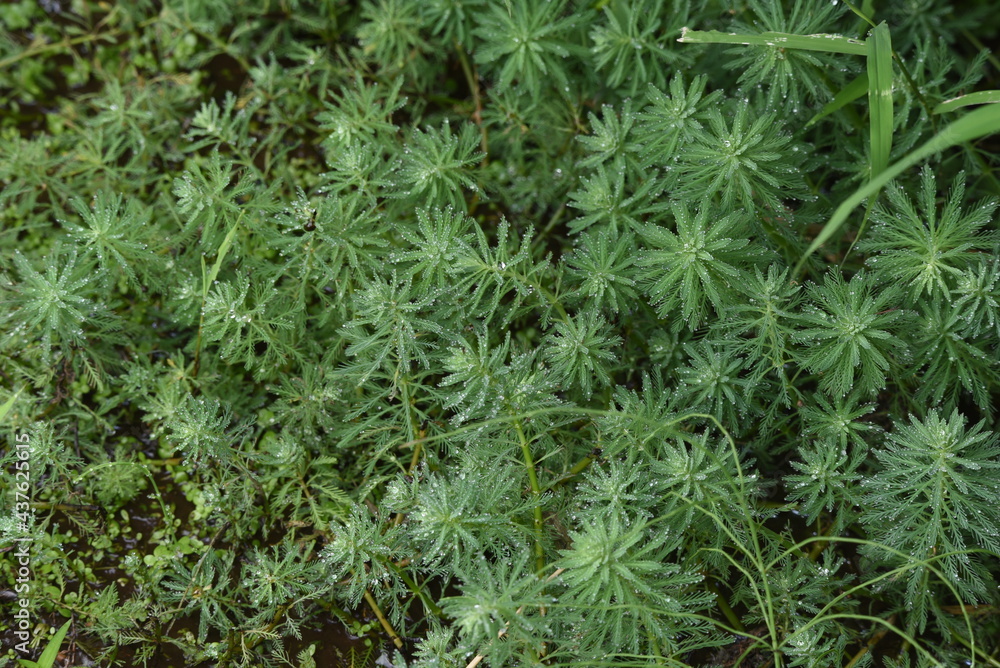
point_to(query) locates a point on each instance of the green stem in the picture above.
(553, 221)
(536, 492)
(344, 616)
(819, 546)
(63, 507)
(577, 469)
(982, 47)
(34, 51)
(549, 297)
(207, 281)
(979, 652)
(724, 606)
(396, 640)
(471, 77)
(416, 589)
(870, 645)
(195, 571)
(253, 642)
(173, 461)
(415, 438)
(655, 645)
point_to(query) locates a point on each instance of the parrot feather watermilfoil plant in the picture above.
(607, 333)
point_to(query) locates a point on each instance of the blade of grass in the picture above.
(880, 115)
(827, 43)
(847, 94)
(982, 97)
(208, 280)
(865, 13)
(220, 256)
(973, 125)
(7, 405)
(51, 651)
(880, 97)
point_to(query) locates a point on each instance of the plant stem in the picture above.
(724, 606)
(195, 571)
(414, 460)
(396, 640)
(577, 469)
(207, 281)
(536, 492)
(553, 221)
(549, 297)
(472, 78)
(416, 435)
(173, 461)
(416, 589)
(35, 50)
(871, 643)
(819, 546)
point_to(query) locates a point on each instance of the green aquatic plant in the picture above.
(500, 333)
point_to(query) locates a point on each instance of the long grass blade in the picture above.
(847, 94)
(975, 124)
(982, 97)
(7, 405)
(880, 97)
(827, 43)
(879, 63)
(223, 249)
(51, 652)
(866, 12)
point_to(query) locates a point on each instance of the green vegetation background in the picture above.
(485, 331)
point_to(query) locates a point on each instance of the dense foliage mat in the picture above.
(500, 332)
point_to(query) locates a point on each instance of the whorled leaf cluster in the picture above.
(475, 323)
